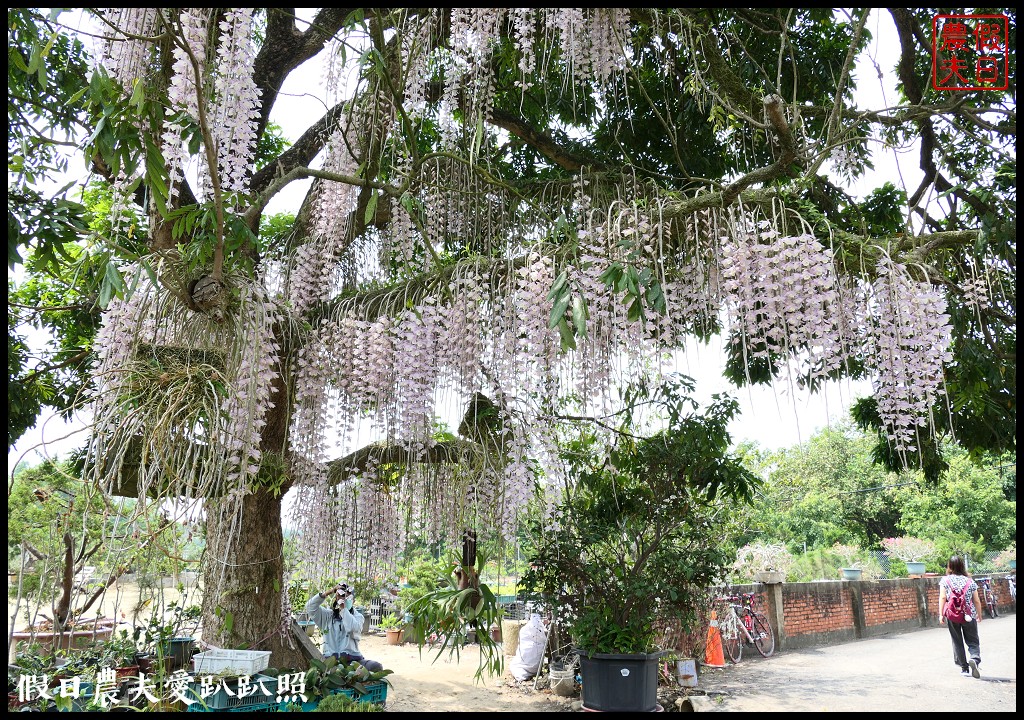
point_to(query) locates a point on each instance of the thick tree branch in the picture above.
(901, 115)
(301, 153)
(544, 144)
(737, 96)
(448, 452)
(285, 48)
(300, 173)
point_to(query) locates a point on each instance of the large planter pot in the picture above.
(620, 683)
(852, 573)
(915, 568)
(83, 637)
(395, 636)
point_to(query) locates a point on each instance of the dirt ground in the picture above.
(419, 684)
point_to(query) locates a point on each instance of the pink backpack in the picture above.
(956, 605)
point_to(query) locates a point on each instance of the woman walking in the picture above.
(958, 609)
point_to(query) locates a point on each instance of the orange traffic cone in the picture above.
(713, 655)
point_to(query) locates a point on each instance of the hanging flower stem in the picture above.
(211, 160)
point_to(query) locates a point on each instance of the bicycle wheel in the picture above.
(732, 641)
(764, 638)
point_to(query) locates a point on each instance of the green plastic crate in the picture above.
(377, 693)
(221, 701)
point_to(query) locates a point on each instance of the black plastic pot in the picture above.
(179, 650)
(620, 683)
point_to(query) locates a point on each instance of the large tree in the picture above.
(517, 208)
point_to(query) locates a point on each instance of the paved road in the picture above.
(902, 672)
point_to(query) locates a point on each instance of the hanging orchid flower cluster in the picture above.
(314, 263)
(910, 339)
(416, 335)
(249, 398)
(976, 292)
(237, 100)
(591, 43)
(606, 314)
(783, 298)
(692, 286)
(459, 355)
(317, 507)
(125, 51)
(185, 91)
(538, 345)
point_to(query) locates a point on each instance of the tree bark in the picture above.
(243, 579)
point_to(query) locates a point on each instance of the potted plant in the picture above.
(167, 644)
(120, 653)
(393, 628)
(764, 562)
(634, 541)
(459, 605)
(911, 550)
(852, 567)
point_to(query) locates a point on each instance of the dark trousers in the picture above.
(961, 634)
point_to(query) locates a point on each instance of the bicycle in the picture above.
(988, 596)
(744, 624)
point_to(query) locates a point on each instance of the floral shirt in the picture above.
(955, 582)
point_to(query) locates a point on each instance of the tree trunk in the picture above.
(242, 608)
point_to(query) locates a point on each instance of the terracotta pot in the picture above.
(126, 672)
(395, 636)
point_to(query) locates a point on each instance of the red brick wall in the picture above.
(816, 608)
(825, 613)
(884, 604)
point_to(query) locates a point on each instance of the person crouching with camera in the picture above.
(341, 625)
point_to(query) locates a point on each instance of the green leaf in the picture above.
(559, 283)
(371, 208)
(113, 275)
(559, 308)
(612, 276)
(409, 203)
(106, 292)
(568, 340)
(635, 311)
(579, 315)
(632, 282)
(138, 93)
(14, 56)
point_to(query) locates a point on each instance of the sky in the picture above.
(774, 418)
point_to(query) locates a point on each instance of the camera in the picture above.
(344, 591)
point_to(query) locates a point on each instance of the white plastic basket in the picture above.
(243, 662)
